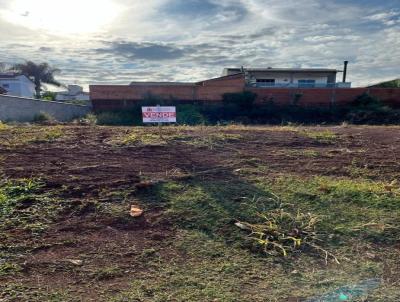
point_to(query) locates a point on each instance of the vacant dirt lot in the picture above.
(68, 236)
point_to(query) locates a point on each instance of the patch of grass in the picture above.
(107, 273)
(213, 140)
(213, 207)
(21, 292)
(8, 268)
(24, 206)
(341, 201)
(205, 137)
(357, 170)
(205, 269)
(20, 136)
(219, 258)
(305, 153)
(143, 139)
(47, 135)
(325, 136)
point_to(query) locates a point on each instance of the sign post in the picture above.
(159, 115)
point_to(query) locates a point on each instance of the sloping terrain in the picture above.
(66, 233)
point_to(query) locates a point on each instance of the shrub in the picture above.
(367, 101)
(43, 117)
(296, 98)
(116, 118)
(89, 119)
(189, 115)
(49, 96)
(3, 126)
(367, 109)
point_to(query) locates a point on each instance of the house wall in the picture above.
(27, 87)
(12, 86)
(19, 86)
(24, 109)
(293, 77)
(78, 97)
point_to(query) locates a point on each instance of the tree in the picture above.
(389, 84)
(39, 73)
(49, 96)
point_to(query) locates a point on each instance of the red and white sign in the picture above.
(159, 114)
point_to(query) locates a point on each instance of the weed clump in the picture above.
(285, 230)
(3, 126)
(43, 118)
(326, 136)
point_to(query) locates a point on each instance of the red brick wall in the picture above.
(138, 92)
(109, 97)
(324, 96)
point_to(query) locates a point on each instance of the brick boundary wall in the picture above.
(325, 96)
(120, 97)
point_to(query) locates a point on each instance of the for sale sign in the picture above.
(159, 114)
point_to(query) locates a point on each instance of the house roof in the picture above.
(12, 75)
(222, 77)
(8, 75)
(270, 69)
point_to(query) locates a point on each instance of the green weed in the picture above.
(106, 273)
(3, 126)
(213, 140)
(23, 205)
(325, 136)
(43, 117)
(47, 135)
(8, 268)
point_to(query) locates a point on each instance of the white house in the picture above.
(17, 85)
(74, 93)
(290, 77)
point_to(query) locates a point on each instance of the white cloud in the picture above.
(388, 18)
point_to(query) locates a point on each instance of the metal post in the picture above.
(159, 124)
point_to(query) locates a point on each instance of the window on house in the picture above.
(306, 83)
(266, 82)
(6, 86)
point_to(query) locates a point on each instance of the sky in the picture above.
(119, 41)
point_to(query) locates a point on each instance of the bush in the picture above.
(189, 115)
(43, 117)
(117, 118)
(366, 101)
(367, 109)
(90, 119)
(49, 96)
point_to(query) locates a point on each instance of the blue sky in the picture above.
(118, 41)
